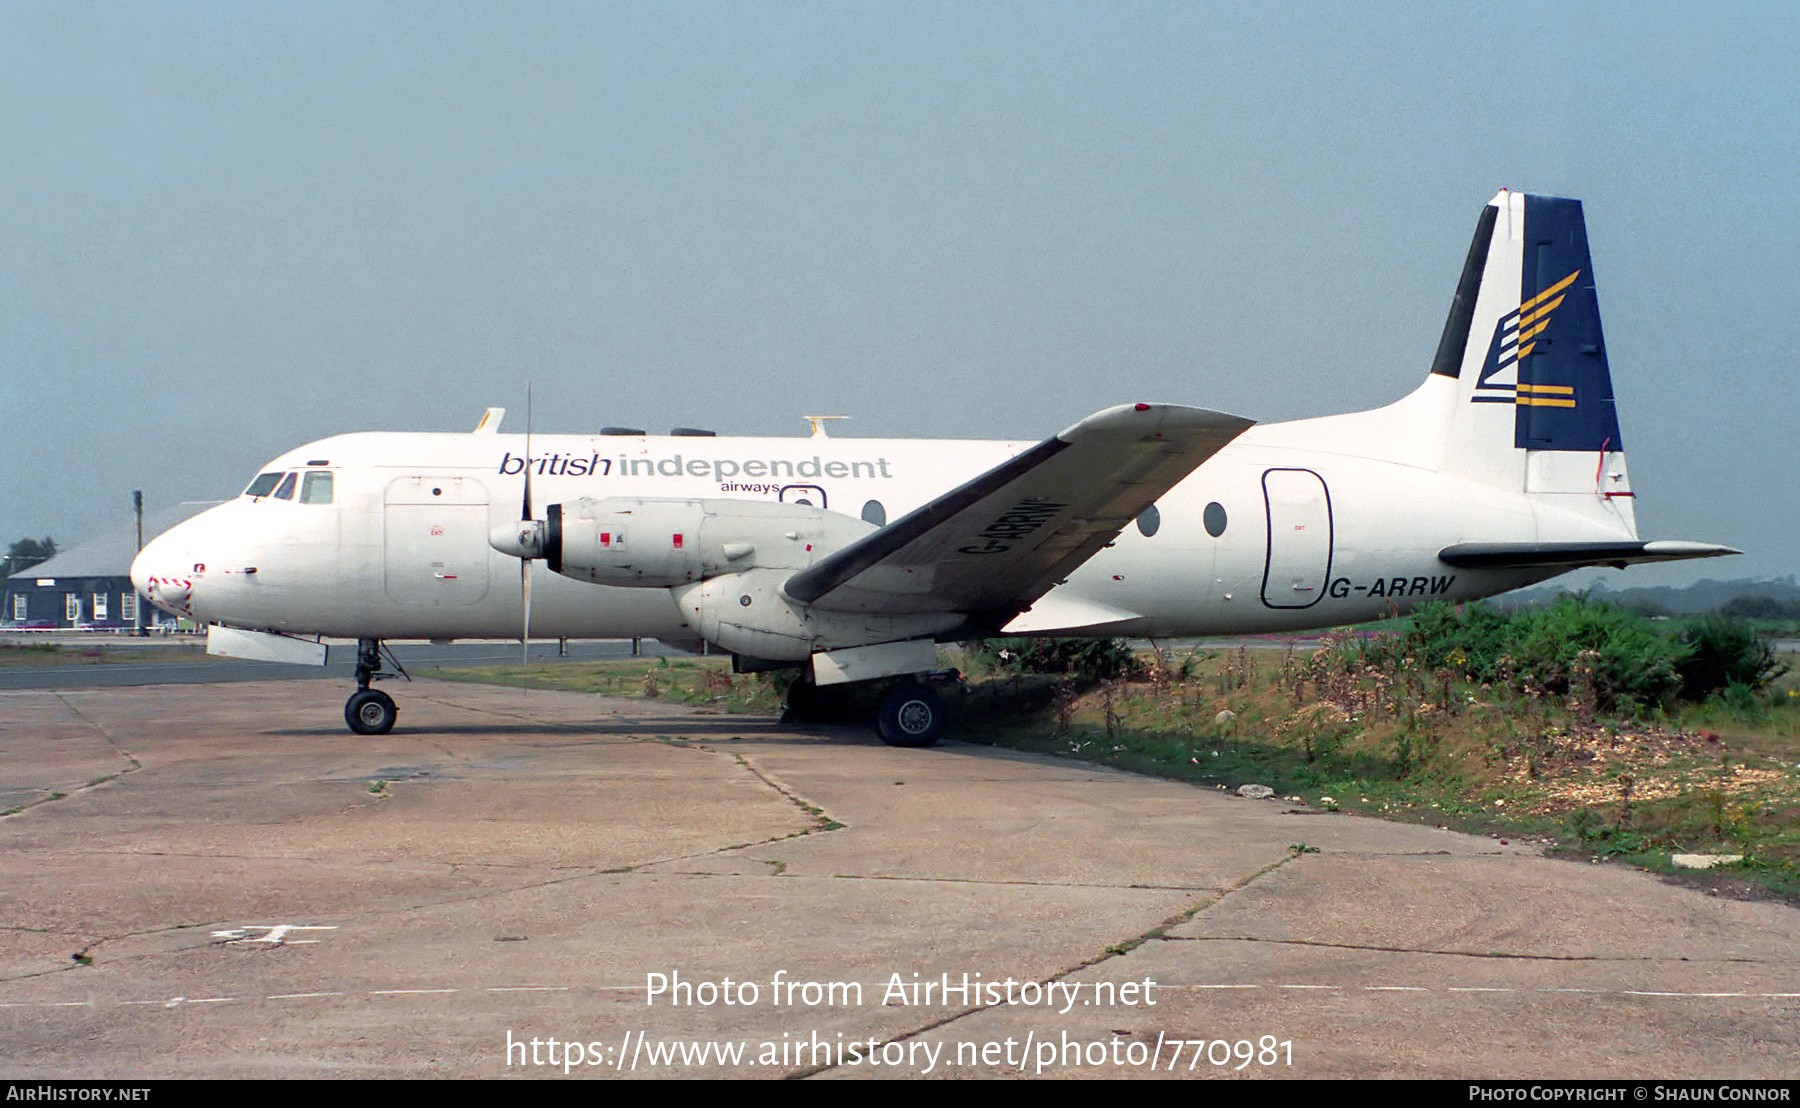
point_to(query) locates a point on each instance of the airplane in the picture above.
(850, 560)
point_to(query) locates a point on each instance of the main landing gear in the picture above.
(370, 711)
(909, 712)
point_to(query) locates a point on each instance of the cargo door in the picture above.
(435, 539)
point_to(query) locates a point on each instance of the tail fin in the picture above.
(1533, 403)
(1534, 393)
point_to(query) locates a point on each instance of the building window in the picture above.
(128, 608)
(21, 607)
(72, 607)
(99, 606)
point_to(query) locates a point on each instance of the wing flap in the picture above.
(993, 545)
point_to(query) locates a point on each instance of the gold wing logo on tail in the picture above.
(1514, 337)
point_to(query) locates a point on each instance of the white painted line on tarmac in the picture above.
(299, 996)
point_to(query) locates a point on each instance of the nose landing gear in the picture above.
(370, 711)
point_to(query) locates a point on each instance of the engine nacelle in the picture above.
(747, 613)
(647, 542)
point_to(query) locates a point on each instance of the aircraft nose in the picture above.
(161, 575)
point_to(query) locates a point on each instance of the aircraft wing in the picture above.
(995, 544)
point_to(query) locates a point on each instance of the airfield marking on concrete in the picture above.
(276, 935)
(299, 996)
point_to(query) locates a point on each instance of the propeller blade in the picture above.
(527, 507)
(525, 563)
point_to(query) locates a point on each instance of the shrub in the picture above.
(1723, 653)
(1622, 658)
(1086, 659)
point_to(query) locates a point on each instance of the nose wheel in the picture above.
(370, 711)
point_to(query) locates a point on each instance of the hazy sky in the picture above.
(228, 229)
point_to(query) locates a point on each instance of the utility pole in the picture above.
(137, 607)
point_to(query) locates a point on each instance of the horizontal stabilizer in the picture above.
(1571, 555)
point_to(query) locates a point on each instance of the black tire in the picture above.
(370, 713)
(801, 705)
(809, 704)
(910, 714)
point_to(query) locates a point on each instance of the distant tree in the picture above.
(1756, 607)
(25, 553)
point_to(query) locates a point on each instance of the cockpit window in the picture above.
(316, 489)
(264, 484)
(286, 491)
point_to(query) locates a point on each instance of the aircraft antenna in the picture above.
(818, 424)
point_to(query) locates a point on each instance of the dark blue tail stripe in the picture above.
(1567, 358)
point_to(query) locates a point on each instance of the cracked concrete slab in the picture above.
(1552, 909)
(264, 894)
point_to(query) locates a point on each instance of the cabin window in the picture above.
(316, 489)
(1214, 518)
(263, 485)
(286, 491)
(874, 513)
(1149, 520)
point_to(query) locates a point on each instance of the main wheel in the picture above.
(910, 714)
(808, 703)
(802, 704)
(370, 713)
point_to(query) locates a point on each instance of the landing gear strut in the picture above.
(368, 711)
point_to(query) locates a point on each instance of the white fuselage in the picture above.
(1287, 528)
